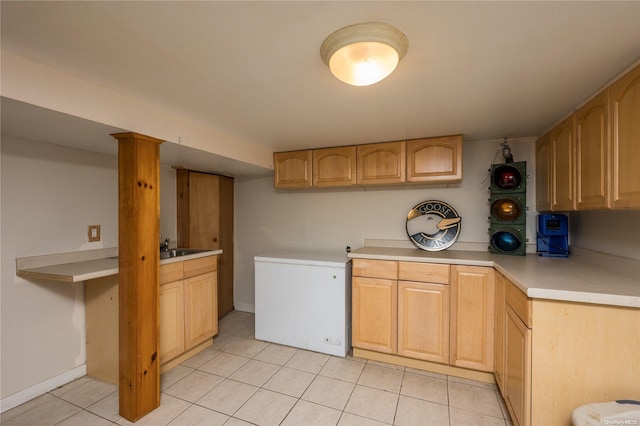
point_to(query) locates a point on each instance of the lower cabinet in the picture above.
(426, 311)
(171, 342)
(188, 308)
(559, 355)
(517, 386)
(472, 317)
(513, 355)
(423, 321)
(374, 314)
(188, 316)
(201, 309)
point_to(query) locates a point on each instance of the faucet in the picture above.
(164, 246)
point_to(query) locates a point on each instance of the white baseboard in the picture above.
(36, 390)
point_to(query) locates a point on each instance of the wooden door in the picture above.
(435, 159)
(374, 314)
(292, 169)
(423, 321)
(543, 174)
(381, 163)
(472, 317)
(518, 369)
(562, 166)
(171, 342)
(592, 154)
(201, 308)
(625, 141)
(225, 260)
(334, 166)
(204, 211)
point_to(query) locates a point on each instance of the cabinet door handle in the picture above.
(215, 240)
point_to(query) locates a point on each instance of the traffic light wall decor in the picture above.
(507, 232)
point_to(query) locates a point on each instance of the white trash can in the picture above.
(621, 412)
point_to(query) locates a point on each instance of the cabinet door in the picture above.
(499, 335)
(625, 140)
(518, 369)
(334, 166)
(543, 174)
(381, 163)
(292, 169)
(472, 311)
(423, 321)
(204, 211)
(435, 159)
(562, 166)
(201, 308)
(374, 314)
(171, 342)
(592, 148)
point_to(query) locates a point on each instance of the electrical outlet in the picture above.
(94, 233)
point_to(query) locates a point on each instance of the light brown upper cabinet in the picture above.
(292, 169)
(592, 148)
(334, 166)
(625, 141)
(381, 163)
(435, 159)
(562, 165)
(543, 173)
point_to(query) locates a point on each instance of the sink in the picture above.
(179, 252)
(174, 253)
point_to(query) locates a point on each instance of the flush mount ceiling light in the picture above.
(364, 54)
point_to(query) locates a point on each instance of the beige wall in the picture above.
(612, 232)
(49, 196)
(267, 219)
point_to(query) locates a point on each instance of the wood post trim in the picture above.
(139, 260)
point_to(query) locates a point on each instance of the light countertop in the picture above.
(83, 265)
(575, 279)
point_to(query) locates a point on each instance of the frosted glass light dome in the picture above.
(364, 54)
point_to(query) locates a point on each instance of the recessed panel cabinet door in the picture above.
(201, 308)
(625, 140)
(592, 153)
(563, 166)
(423, 321)
(381, 163)
(472, 317)
(543, 174)
(292, 169)
(374, 314)
(518, 369)
(171, 320)
(334, 166)
(435, 159)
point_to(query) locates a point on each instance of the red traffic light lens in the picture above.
(506, 177)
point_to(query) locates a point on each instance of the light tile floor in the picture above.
(243, 381)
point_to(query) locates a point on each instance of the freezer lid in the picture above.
(301, 257)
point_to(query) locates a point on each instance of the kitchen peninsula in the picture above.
(187, 297)
(555, 333)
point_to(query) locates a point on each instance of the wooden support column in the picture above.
(139, 262)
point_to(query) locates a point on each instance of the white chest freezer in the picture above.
(303, 299)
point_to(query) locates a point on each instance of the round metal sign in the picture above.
(433, 225)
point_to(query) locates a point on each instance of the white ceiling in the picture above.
(487, 70)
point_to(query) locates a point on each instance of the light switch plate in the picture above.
(93, 233)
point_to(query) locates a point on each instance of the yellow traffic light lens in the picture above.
(506, 209)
